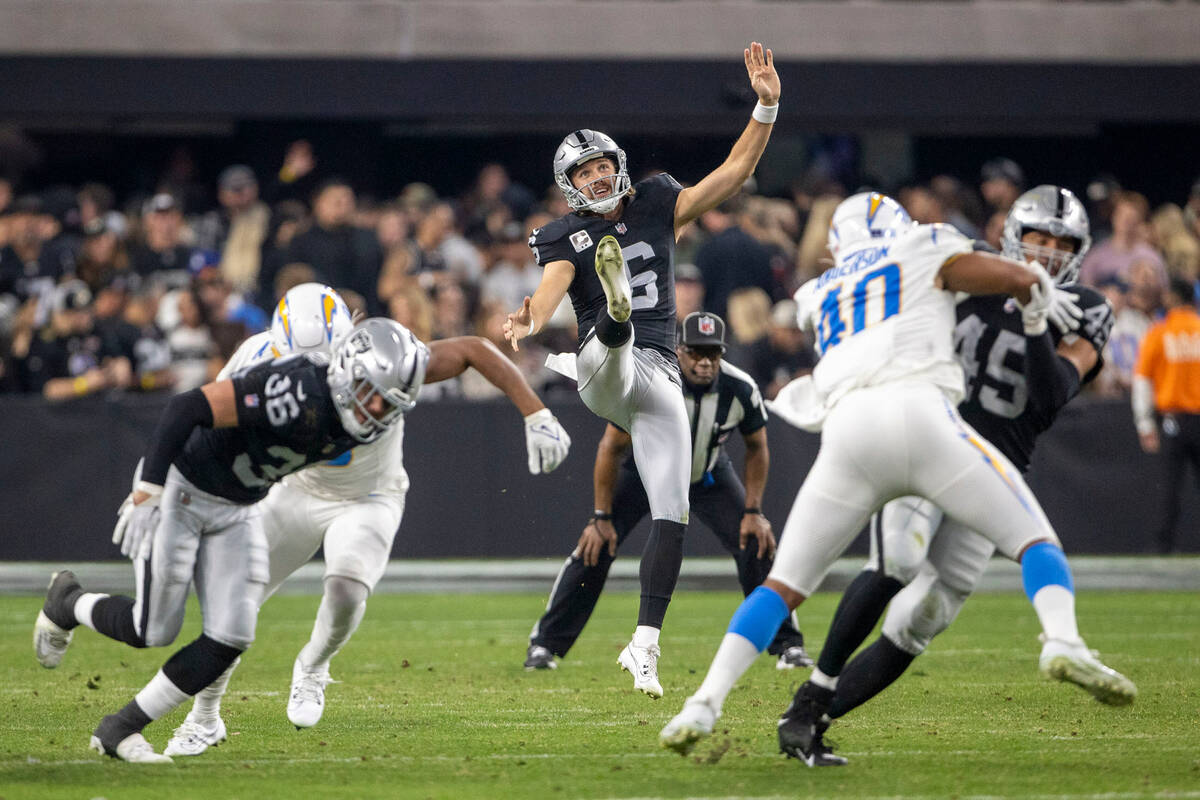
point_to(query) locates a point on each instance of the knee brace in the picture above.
(908, 526)
(921, 611)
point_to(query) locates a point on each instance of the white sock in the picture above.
(160, 696)
(645, 635)
(342, 607)
(1055, 607)
(83, 608)
(207, 707)
(733, 658)
(823, 680)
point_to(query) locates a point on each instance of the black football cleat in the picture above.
(802, 728)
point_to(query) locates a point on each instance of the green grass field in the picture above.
(435, 703)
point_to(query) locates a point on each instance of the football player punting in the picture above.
(885, 392)
(614, 255)
(720, 399)
(1017, 381)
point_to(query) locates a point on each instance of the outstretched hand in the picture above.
(517, 324)
(764, 80)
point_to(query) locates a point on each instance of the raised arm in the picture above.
(546, 442)
(725, 181)
(533, 313)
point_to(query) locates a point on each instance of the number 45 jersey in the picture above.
(286, 420)
(992, 348)
(646, 233)
(878, 316)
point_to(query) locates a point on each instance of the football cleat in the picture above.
(193, 737)
(307, 701)
(642, 663)
(538, 657)
(802, 728)
(1073, 662)
(610, 268)
(693, 723)
(133, 749)
(794, 657)
(52, 631)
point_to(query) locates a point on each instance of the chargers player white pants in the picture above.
(939, 560)
(900, 438)
(357, 534)
(218, 544)
(639, 391)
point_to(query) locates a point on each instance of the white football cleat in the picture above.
(1073, 662)
(307, 701)
(642, 663)
(689, 726)
(49, 641)
(194, 737)
(610, 268)
(133, 748)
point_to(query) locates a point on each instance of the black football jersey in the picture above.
(646, 233)
(286, 420)
(990, 342)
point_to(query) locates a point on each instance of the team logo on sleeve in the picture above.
(580, 241)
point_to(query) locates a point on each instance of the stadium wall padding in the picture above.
(64, 469)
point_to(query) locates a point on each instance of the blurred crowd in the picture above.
(101, 293)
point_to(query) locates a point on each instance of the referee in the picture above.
(1167, 379)
(720, 398)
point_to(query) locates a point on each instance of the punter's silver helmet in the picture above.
(382, 357)
(585, 145)
(1058, 212)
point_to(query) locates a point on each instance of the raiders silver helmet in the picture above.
(379, 357)
(1058, 212)
(585, 145)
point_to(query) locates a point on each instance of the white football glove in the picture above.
(1041, 294)
(545, 441)
(1065, 313)
(136, 522)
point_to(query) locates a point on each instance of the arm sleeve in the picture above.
(755, 415)
(1049, 375)
(182, 415)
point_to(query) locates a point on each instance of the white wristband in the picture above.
(530, 328)
(765, 114)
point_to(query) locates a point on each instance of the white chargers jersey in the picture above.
(878, 316)
(375, 468)
(255, 350)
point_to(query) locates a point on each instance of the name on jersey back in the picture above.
(860, 259)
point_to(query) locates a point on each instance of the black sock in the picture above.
(115, 727)
(859, 609)
(199, 663)
(660, 570)
(113, 617)
(610, 332)
(871, 671)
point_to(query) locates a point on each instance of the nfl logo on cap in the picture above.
(706, 326)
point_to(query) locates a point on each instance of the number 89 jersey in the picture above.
(877, 315)
(646, 233)
(286, 420)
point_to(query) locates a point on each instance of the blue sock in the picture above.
(1045, 564)
(759, 617)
